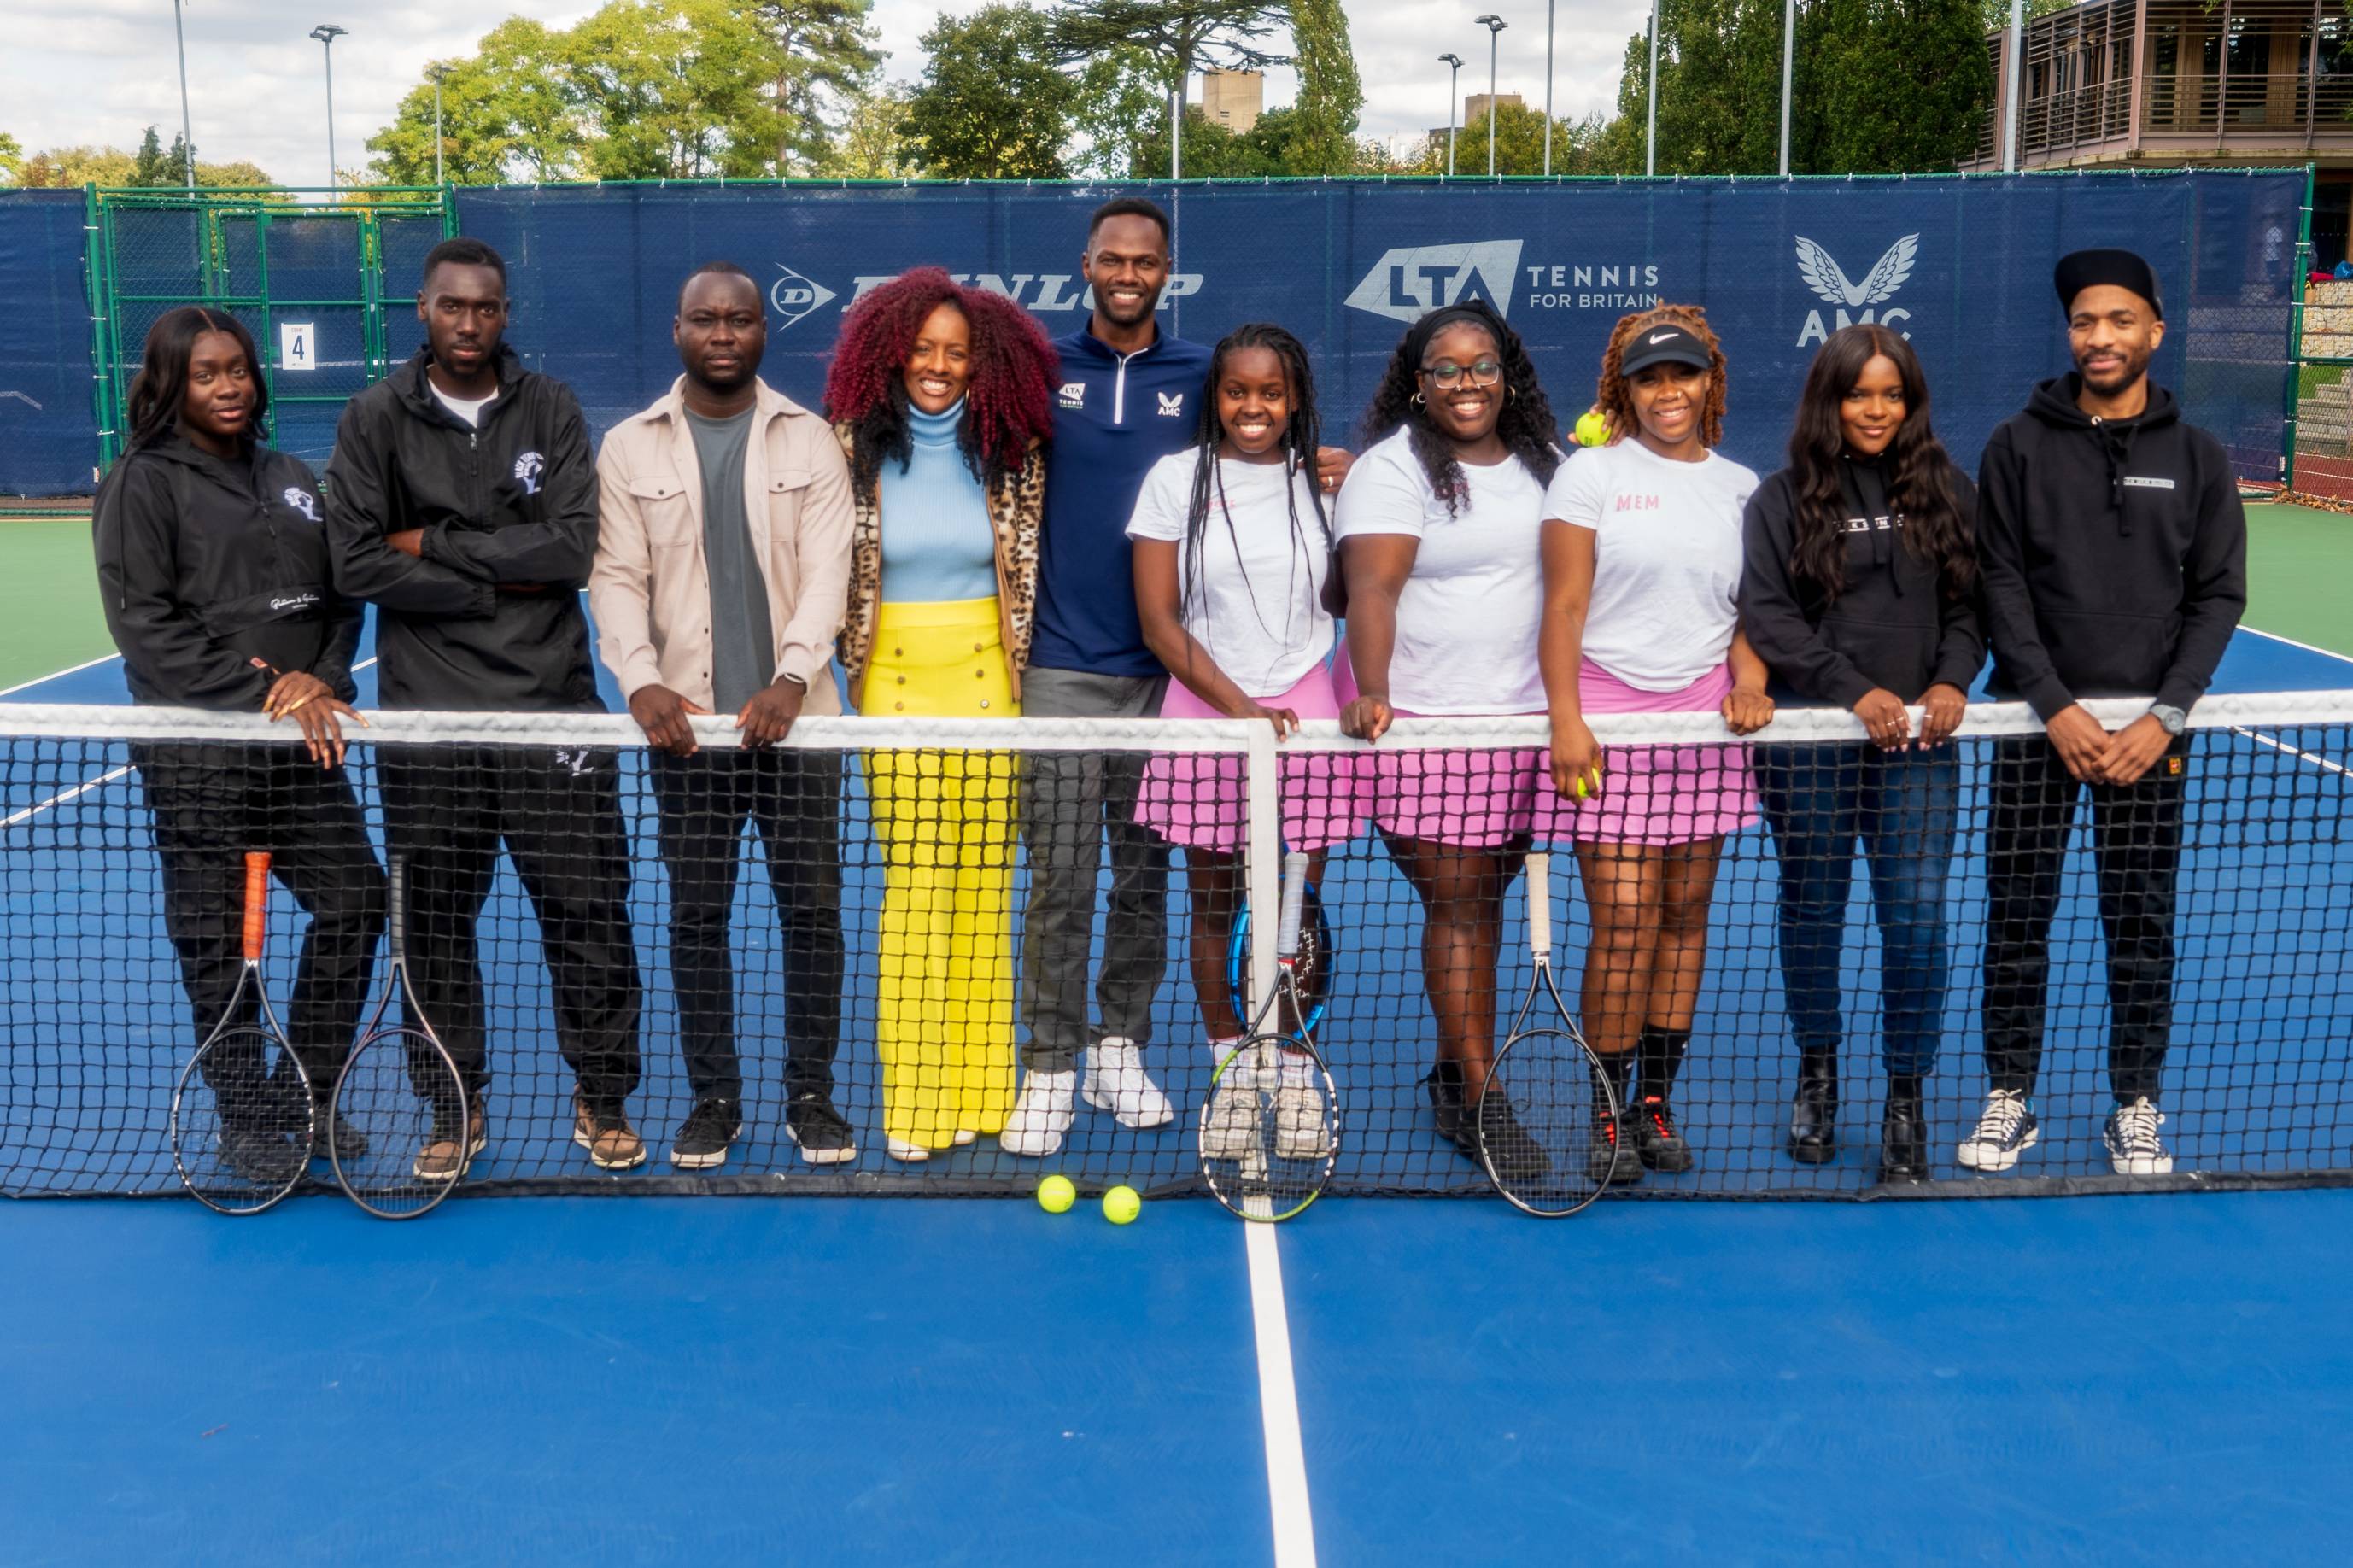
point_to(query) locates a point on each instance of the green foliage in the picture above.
(1577, 144)
(1123, 101)
(507, 114)
(992, 105)
(151, 167)
(1330, 93)
(11, 157)
(679, 89)
(826, 53)
(868, 144)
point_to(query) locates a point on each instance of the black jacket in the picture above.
(2115, 552)
(491, 616)
(1894, 624)
(206, 565)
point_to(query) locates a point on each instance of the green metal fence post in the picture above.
(98, 280)
(2295, 329)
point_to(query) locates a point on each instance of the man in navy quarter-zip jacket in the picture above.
(2114, 549)
(461, 501)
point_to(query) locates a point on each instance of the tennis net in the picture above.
(883, 913)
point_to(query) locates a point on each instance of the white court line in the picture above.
(2308, 648)
(2293, 751)
(1278, 1403)
(58, 675)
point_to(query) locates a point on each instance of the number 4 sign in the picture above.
(297, 345)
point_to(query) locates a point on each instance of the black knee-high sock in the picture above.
(1661, 1052)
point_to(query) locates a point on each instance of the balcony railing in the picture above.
(2265, 111)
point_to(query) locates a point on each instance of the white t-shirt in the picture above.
(469, 409)
(1666, 566)
(1466, 622)
(1257, 599)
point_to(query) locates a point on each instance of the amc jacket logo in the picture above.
(1172, 405)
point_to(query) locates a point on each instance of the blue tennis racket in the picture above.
(1312, 975)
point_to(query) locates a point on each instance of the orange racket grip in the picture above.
(256, 903)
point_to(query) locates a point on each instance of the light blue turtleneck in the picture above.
(937, 545)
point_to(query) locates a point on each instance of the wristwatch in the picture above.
(2172, 719)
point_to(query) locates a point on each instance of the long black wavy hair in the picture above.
(162, 383)
(1921, 473)
(1526, 425)
(1301, 436)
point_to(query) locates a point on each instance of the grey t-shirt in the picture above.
(743, 640)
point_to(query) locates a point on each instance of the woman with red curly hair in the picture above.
(1643, 551)
(938, 393)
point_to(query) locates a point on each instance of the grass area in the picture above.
(2299, 566)
(49, 615)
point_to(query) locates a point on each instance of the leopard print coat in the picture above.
(1016, 505)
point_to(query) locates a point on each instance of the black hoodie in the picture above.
(1892, 626)
(206, 564)
(511, 503)
(2115, 552)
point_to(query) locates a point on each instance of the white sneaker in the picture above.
(1117, 1082)
(1230, 1130)
(910, 1152)
(2134, 1149)
(965, 1136)
(2007, 1129)
(1042, 1113)
(1299, 1133)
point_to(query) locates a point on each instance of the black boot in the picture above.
(1903, 1131)
(1813, 1112)
(1456, 1123)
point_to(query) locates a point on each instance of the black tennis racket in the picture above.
(1545, 1117)
(401, 1097)
(1316, 955)
(242, 1119)
(1269, 1126)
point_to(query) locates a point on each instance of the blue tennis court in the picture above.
(2146, 1379)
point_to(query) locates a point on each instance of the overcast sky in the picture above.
(99, 71)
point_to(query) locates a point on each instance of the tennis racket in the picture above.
(1269, 1127)
(1541, 1135)
(401, 1094)
(1316, 955)
(242, 1118)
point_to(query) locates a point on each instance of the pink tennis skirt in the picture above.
(1653, 794)
(1199, 800)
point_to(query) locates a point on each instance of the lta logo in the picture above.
(1409, 282)
(1825, 278)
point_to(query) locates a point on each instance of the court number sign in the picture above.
(297, 345)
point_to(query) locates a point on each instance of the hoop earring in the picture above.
(1511, 393)
(1417, 400)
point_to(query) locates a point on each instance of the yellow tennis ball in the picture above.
(1592, 429)
(1121, 1204)
(1055, 1195)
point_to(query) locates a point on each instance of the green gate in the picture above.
(305, 271)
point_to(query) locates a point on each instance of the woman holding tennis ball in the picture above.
(1235, 590)
(1641, 570)
(1438, 523)
(1859, 592)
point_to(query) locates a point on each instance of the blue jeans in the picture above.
(1903, 805)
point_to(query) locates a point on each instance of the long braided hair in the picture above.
(1301, 436)
(1007, 403)
(1615, 396)
(1920, 488)
(1526, 424)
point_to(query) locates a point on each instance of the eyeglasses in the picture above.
(1483, 373)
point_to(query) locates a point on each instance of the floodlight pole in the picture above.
(1650, 137)
(2009, 109)
(187, 133)
(1788, 55)
(439, 73)
(327, 33)
(1548, 166)
(1175, 124)
(1453, 96)
(1494, 25)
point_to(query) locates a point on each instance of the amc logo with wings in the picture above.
(1826, 279)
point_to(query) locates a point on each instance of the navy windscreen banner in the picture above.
(1961, 267)
(48, 432)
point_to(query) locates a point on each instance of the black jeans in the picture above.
(447, 810)
(2136, 853)
(795, 799)
(211, 804)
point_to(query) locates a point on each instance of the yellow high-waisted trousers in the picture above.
(943, 1025)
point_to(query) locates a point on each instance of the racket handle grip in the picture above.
(1540, 903)
(1294, 899)
(396, 900)
(257, 904)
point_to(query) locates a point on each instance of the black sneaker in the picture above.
(1455, 1122)
(1657, 1138)
(710, 1130)
(812, 1122)
(1613, 1161)
(1516, 1156)
(262, 1155)
(331, 1127)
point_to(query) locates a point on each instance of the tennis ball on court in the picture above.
(1121, 1204)
(1592, 429)
(1055, 1195)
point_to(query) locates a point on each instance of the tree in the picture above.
(1857, 129)
(677, 89)
(70, 167)
(991, 105)
(869, 146)
(509, 112)
(150, 168)
(1323, 139)
(1577, 144)
(1180, 35)
(1120, 104)
(824, 49)
(11, 157)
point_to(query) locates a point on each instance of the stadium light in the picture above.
(1788, 47)
(187, 133)
(1453, 96)
(327, 33)
(440, 74)
(1494, 25)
